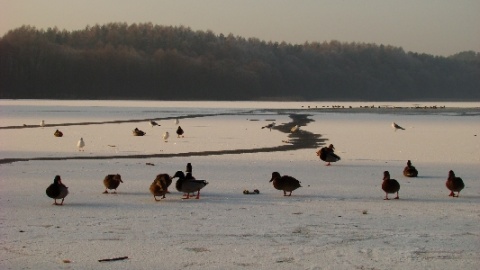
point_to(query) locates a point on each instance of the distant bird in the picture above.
(153, 123)
(138, 132)
(409, 170)
(327, 154)
(294, 129)
(176, 122)
(179, 132)
(285, 183)
(165, 136)
(80, 144)
(112, 181)
(188, 186)
(454, 184)
(58, 133)
(395, 126)
(390, 185)
(42, 123)
(57, 190)
(160, 185)
(269, 126)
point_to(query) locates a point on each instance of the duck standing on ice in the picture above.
(112, 181)
(390, 185)
(326, 154)
(160, 185)
(284, 183)
(57, 190)
(454, 184)
(80, 144)
(189, 185)
(395, 126)
(180, 132)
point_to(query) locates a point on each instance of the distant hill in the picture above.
(146, 61)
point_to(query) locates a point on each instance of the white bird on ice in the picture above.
(165, 136)
(395, 126)
(80, 144)
(42, 123)
(177, 122)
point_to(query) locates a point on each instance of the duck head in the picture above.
(386, 175)
(451, 174)
(179, 174)
(118, 177)
(331, 146)
(409, 163)
(57, 179)
(275, 175)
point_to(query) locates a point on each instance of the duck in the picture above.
(58, 133)
(112, 181)
(176, 121)
(80, 144)
(326, 154)
(390, 185)
(454, 184)
(285, 183)
(409, 170)
(395, 126)
(159, 186)
(165, 136)
(189, 185)
(138, 132)
(57, 190)
(180, 132)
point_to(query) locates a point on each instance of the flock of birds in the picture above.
(188, 184)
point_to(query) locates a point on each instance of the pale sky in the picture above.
(438, 27)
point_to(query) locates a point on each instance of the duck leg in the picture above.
(105, 192)
(284, 193)
(396, 198)
(452, 194)
(328, 164)
(198, 195)
(386, 196)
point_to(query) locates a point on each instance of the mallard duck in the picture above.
(285, 183)
(80, 144)
(409, 170)
(454, 184)
(160, 185)
(326, 154)
(58, 133)
(112, 181)
(390, 185)
(189, 185)
(57, 190)
(395, 126)
(138, 132)
(180, 132)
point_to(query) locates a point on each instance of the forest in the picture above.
(154, 62)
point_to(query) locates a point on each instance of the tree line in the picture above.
(146, 61)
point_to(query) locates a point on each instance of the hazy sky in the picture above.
(438, 27)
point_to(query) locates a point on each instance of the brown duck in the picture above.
(58, 133)
(138, 132)
(159, 187)
(409, 170)
(57, 190)
(112, 181)
(454, 184)
(285, 183)
(390, 185)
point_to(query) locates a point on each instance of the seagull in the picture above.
(153, 123)
(269, 126)
(395, 126)
(165, 136)
(177, 122)
(42, 123)
(80, 144)
(179, 132)
(294, 129)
